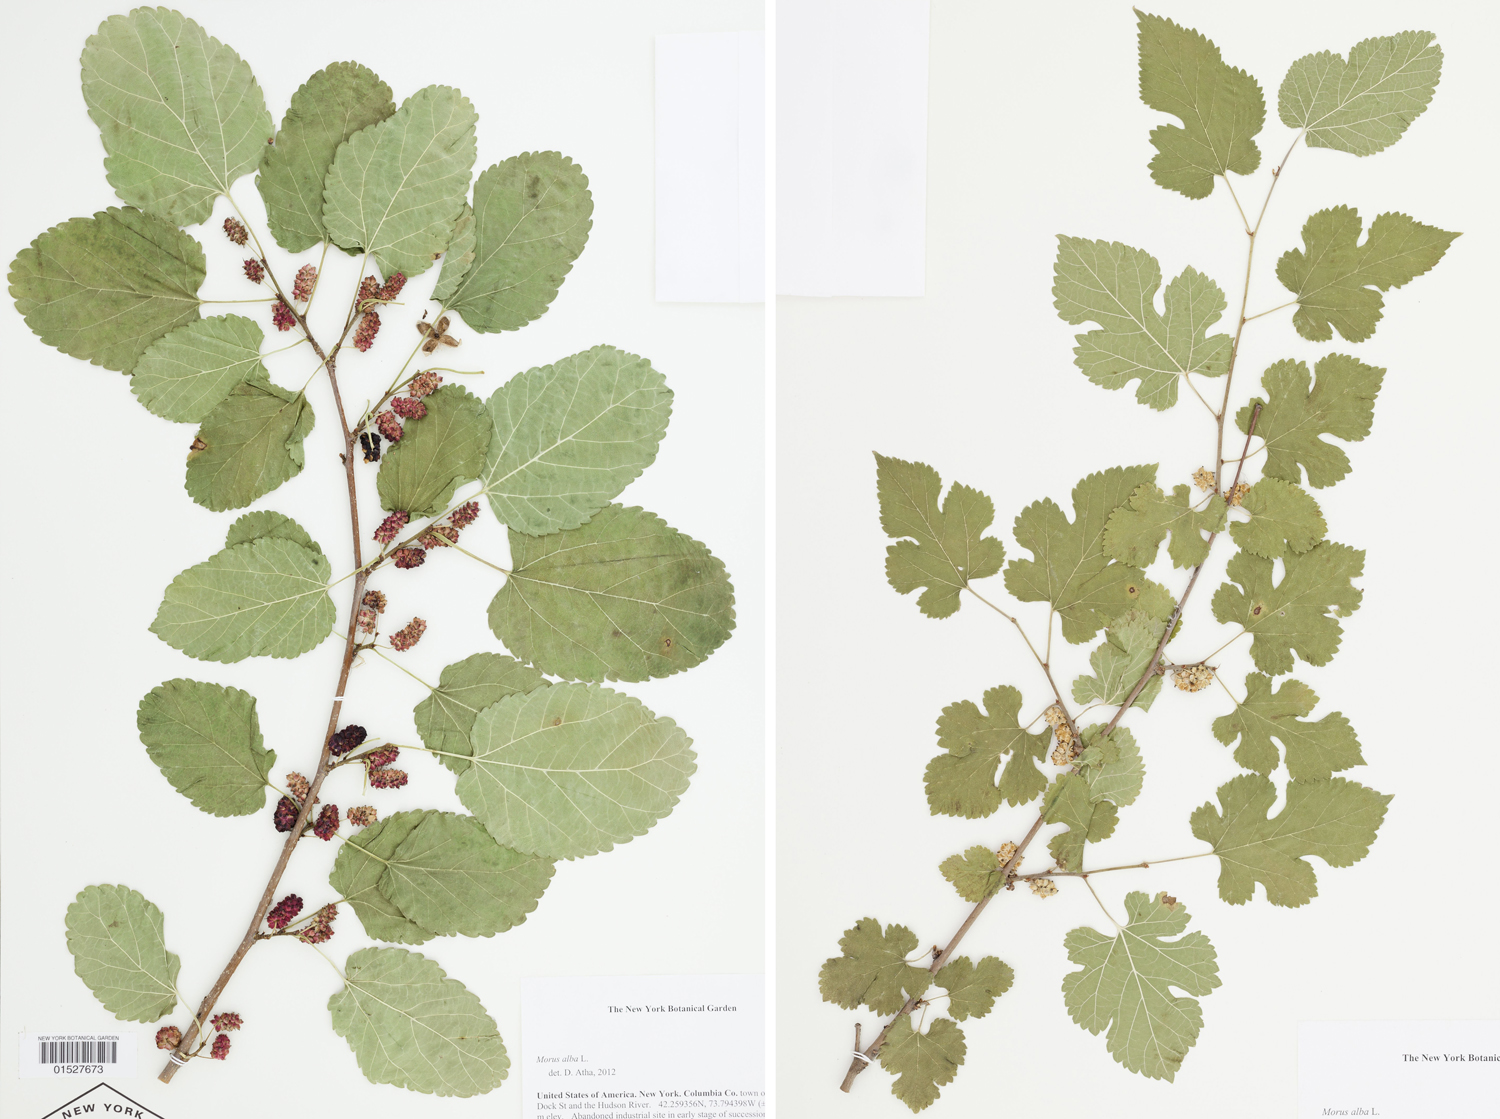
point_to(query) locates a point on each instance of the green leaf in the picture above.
(1336, 820)
(1333, 279)
(1126, 982)
(873, 969)
(119, 950)
(1283, 518)
(1222, 108)
(573, 769)
(972, 990)
(975, 874)
(436, 455)
(947, 545)
(1115, 286)
(330, 107)
(531, 220)
(961, 782)
(1313, 750)
(1362, 106)
(922, 1063)
(180, 114)
(184, 375)
(357, 872)
(450, 877)
(1299, 614)
(1342, 404)
(1111, 765)
(1071, 569)
(446, 717)
(1068, 801)
(1136, 530)
(1130, 643)
(396, 188)
(624, 597)
(252, 444)
(206, 740)
(458, 258)
(569, 437)
(267, 598)
(411, 1026)
(263, 523)
(104, 288)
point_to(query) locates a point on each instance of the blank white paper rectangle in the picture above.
(710, 167)
(851, 159)
(1399, 1070)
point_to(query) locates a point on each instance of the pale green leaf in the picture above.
(532, 215)
(922, 1063)
(573, 769)
(446, 717)
(265, 522)
(1336, 820)
(180, 114)
(1111, 765)
(252, 443)
(265, 598)
(120, 951)
(961, 781)
(411, 1026)
(972, 989)
(1300, 614)
(104, 288)
(1221, 108)
(437, 454)
(396, 188)
(1115, 286)
(1069, 801)
(1120, 660)
(357, 871)
(331, 106)
(206, 740)
(624, 597)
(458, 258)
(975, 874)
(873, 969)
(1334, 278)
(1362, 106)
(183, 375)
(1136, 530)
(1313, 749)
(569, 437)
(1342, 404)
(1283, 518)
(1126, 983)
(946, 546)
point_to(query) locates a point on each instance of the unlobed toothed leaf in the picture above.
(1120, 660)
(251, 443)
(972, 989)
(1115, 286)
(119, 950)
(1363, 105)
(1301, 613)
(265, 598)
(570, 770)
(331, 106)
(1283, 518)
(1313, 749)
(357, 872)
(446, 717)
(412, 1026)
(458, 257)
(568, 437)
(1295, 413)
(961, 781)
(873, 970)
(1126, 984)
(1111, 765)
(624, 597)
(1336, 820)
(1333, 280)
(975, 874)
(1221, 108)
(532, 215)
(105, 288)
(395, 189)
(182, 376)
(206, 740)
(437, 454)
(946, 545)
(922, 1063)
(1071, 569)
(1136, 529)
(180, 114)
(266, 522)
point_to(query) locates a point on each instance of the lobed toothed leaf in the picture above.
(975, 874)
(1120, 660)
(1301, 613)
(1137, 528)
(973, 988)
(1313, 749)
(1295, 414)
(1283, 518)
(962, 781)
(922, 1062)
(873, 970)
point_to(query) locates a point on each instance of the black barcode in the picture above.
(79, 1052)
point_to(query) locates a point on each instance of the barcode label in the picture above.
(56, 1055)
(78, 1052)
